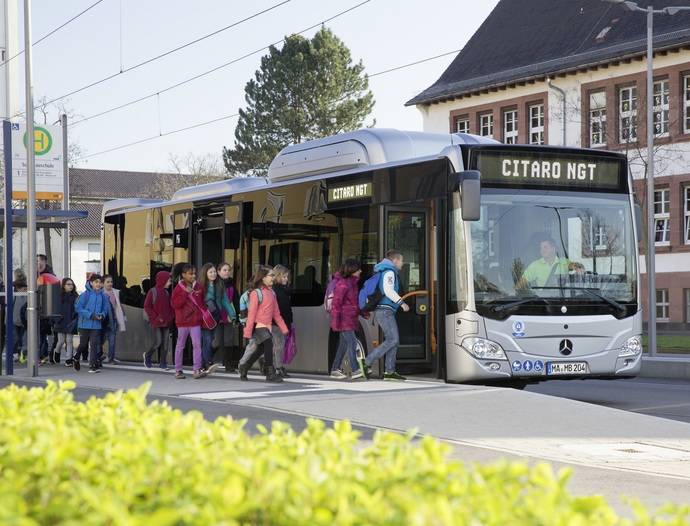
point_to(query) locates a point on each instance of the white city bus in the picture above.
(520, 261)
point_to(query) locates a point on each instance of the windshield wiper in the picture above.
(507, 306)
(613, 303)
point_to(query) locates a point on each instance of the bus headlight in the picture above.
(484, 349)
(632, 347)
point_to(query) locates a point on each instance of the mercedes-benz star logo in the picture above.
(565, 347)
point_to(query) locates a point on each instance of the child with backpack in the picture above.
(263, 310)
(282, 292)
(188, 303)
(345, 312)
(218, 305)
(19, 316)
(92, 308)
(250, 346)
(66, 326)
(227, 331)
(159, 314)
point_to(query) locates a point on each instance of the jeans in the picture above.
(263, 343)
(20, 340)
(182, 334)
(278, 346)
(160, 336)
(389, 348)
(347, 345)
(66, 340)
(206, 348)
(249, 350)
(110, 336)
(92, 336)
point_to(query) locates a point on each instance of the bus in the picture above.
(520, 262)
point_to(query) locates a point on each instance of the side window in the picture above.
(136, 258)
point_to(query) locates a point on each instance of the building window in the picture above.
(93, 252)
(462, 125)
(686, 210)
(662, 304)
(661, 216)
(600, 238)
(510, 126)
(597, 119)
(486, 125)
(536, 124)
(661, 111)
(686, 104)
(627, 113)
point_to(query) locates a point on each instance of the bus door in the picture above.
(407, 230)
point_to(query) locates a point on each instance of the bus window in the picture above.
(135, 258)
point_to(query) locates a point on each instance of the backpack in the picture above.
(328, 298)
(154, 293)
(244, 303)
(370, 295)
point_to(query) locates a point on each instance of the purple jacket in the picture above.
(345, 306)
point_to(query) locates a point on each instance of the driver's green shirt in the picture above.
(538, 272)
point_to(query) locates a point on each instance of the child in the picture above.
(19, 315)
(187, 301)
(282, 292)
(92, 308)
(116, 318)
(160, 316)
(345, 317)
(66, 327)
(227, 329)
(217, 304)
(262, 314)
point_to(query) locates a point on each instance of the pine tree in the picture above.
(308, 89)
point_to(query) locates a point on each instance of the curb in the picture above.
(666, 367)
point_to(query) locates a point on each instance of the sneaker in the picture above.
(394, 376)
(164, 367)
(147, 361)
(337, 374)
(179, 375)
(22, 358)
(211, 368)
(357, 375)
(363, 366)
(200, 373)
(77, 364)
(94, 370)
(68, 363)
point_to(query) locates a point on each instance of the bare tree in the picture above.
(187, 170)
(49, 113)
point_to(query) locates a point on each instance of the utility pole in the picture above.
(32, 338)
(651, 281)
(65, 198)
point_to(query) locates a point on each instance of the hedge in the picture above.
(119, 460)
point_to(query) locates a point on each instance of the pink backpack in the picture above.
(328, 298)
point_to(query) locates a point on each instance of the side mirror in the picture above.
(468, 183)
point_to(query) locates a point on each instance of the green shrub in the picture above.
(120, 461)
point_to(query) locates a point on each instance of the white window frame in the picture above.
(536, 123)
(600, 238)
(686, 214)
(597, 120)
(486, 125)
(89, 252)
(662, 216)
(510, 126)
(465, 122)
(664, 304)
(627, 114)
(686, 104)
(661, 108)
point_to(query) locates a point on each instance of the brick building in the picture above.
(561, 72)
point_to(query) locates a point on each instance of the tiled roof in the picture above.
(528, 39)
(89, 227)
(113, 184)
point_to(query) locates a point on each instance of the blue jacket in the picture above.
(386, 267)
(90, 304)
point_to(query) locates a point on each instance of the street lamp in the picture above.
(651, 280)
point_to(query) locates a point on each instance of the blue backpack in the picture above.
(370, 295)
(244, 303)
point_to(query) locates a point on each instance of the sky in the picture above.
(117, 34)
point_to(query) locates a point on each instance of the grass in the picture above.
(670, 344)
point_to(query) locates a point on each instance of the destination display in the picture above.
(349, 192)
(549, 169)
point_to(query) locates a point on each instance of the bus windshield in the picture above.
(542, 247)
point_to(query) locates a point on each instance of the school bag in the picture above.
(328, 298)
(154, 293)
(370, 295)
(244, 303)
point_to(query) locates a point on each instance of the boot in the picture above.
(244, 369)
(283, 372)
(272, 376)
(262, 366)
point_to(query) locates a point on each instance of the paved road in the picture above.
(657, 397)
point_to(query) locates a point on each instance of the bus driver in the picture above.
(546, 270)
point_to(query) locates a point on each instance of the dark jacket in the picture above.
(159, 311)
(345, 305)
(283, 297)
(67, 323)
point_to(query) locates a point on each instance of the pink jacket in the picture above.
(264, 313)
(345, 306)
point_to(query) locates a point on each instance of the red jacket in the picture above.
(187, 306)
(160, 311)
(265, 312)
(345, 305)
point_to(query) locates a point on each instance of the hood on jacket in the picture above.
(385, 264)
(162, 278)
